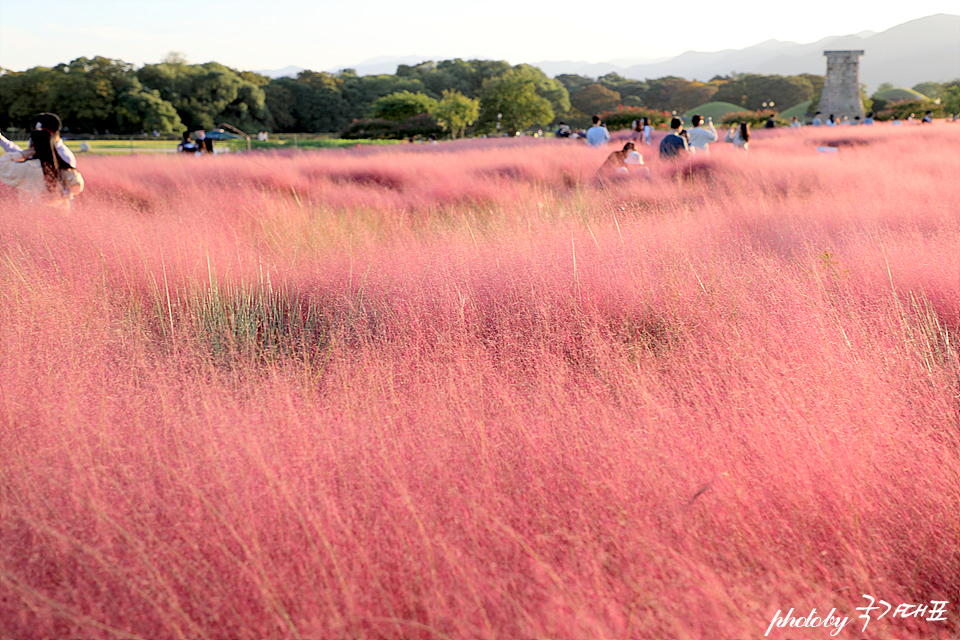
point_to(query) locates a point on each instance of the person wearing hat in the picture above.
(45, 122)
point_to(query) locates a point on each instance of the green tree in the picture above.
(951, 96)
(573, 82)
(751, 90)
(664, 94)
(932, 90)
(311, 102)
(139, 109)
(401, 105)
(23, 95)
(625, 87)
(594, 98)
(465, 76)
(248, 110)
(95, 94)
(359, 92)
(513, 95)
(282, 104)
(455, 112)
(206, 94)
(549, 88)
(84, 92)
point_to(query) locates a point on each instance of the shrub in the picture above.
(753, 117)
(903, 108)
(423, 125)
(623, 117)
(419, 126)
(371, 128)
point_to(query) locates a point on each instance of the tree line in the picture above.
(100, 95)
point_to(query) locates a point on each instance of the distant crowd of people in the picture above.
(697, 139)
(679, 141)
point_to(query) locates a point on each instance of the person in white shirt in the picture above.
(597, 135)
(38, 173)
(700, 137)
(49, 122)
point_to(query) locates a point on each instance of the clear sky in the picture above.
(333, 34)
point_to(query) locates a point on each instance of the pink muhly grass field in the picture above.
(466, 391)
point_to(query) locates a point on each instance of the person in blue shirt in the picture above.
(674, 144)
(597, 135)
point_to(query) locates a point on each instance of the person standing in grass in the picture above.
(739, 135)
(39, 174)
(700, 137)
(674, 144)
(640, 131)
(597, 135)
(204, 144)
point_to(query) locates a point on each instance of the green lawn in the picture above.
(147, 145)
(715, 110)
(798, 110)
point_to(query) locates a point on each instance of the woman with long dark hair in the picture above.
(39, 173)
(739, 135)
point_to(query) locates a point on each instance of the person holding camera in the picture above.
(701, 137)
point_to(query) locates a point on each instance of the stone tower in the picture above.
(841, 87)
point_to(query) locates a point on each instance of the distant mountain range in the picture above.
(926, 49)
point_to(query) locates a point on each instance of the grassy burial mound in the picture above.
(899, 93)
(799, 110)
(715, 110)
